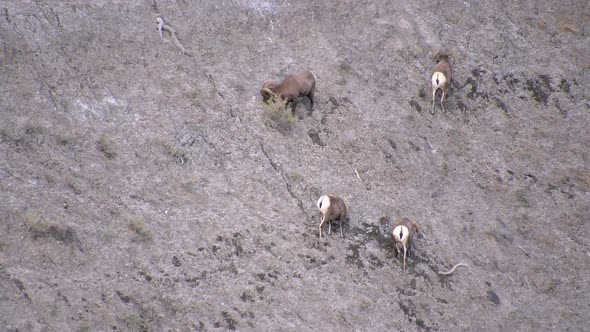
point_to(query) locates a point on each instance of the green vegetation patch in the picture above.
(135, 323)
(107, 146)
(139, 229)
(42, 228)
(279, 116)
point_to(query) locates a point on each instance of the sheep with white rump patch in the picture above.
(332, 208)
(442, 77)
(403, 231)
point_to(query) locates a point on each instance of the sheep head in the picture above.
(266, 90)
(442, 56)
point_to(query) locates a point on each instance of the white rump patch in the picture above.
(401, 233)
(323, 204)
(440, 77)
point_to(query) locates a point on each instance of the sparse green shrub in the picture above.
(106, 146)
(295, 177)
(342, 81)
(194, 184)
(28, 136)
(345, 67)
(520, 196)
(135, 323)
(582, 179)
(178, 154)
(445, 169)
(140, 230)
(194, 98)
(278, 116)
(34, 129)
(68, 138)
(84, 328)
(493, 230)
(351, 147)
(41, 228)
(548, 286)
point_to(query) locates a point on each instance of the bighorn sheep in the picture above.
(442, 77)
(403, 231)
(332, 208)
(294, 86)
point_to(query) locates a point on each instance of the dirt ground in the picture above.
(146, 190)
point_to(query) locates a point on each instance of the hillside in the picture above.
(146, 190)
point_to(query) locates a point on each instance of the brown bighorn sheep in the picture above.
(332, 208)
(442, 77)
(402, 232)
(294, 86)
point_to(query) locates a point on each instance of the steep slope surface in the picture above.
(146, 190)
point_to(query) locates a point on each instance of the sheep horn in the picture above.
(274, 96)
(435, 54)
(269, 91)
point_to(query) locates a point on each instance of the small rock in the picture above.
(175, 261)
(492, 296)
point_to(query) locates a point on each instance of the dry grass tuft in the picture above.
(278, 116)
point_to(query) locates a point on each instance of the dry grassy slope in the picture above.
(144, 190)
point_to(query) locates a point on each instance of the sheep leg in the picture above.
(329, 227)
(404, 258)
(310, 95)
(433, 98)
(321, 224)
(442, 99)
(341, 234)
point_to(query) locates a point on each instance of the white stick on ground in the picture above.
(453, 269)
(164, 26)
